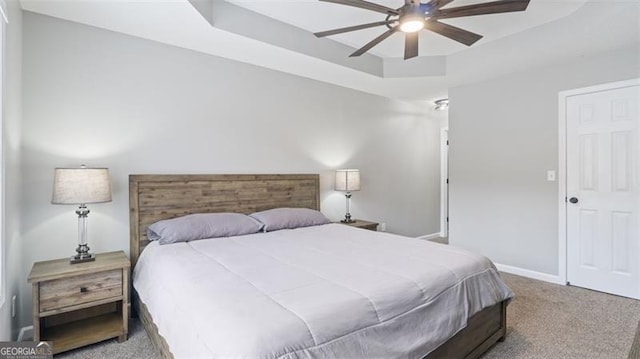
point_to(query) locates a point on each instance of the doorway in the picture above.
(600, 195)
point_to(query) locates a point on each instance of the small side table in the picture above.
(80, 304)
(359, 223)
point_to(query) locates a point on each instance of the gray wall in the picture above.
(13, 277)
(106, 99)
(504, 137)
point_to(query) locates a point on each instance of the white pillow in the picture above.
(289, 218)
(202, 225)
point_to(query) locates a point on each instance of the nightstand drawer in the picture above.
(66, 292)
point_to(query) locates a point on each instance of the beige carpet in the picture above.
(552, 321)
(543, 321)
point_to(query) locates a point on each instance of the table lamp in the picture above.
(81, 186)
(347, 180)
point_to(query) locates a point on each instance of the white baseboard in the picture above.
(25, 333)
(430, 236)
(530, 274)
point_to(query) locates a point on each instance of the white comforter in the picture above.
(328, 291)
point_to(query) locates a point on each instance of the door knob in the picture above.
(573, 200)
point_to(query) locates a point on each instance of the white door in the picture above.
(603, 198)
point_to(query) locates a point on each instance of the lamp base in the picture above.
(83, 255)
(81, 259)
(347, 217)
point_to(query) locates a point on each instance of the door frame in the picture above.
(444, 184)
(562, 164)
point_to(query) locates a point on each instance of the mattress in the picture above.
(329, 291)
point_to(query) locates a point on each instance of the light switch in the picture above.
(551, 176)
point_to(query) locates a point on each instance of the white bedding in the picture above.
(329, 291)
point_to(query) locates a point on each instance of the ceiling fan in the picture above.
(414, 16)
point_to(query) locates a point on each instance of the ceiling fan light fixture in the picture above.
(411, 23)
(442, 104)
(412, 26)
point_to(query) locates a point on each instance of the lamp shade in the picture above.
(348, 180)
(81, 186)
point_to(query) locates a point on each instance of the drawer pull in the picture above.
(83, 289)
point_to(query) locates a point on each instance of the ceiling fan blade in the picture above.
(411, 44)
(366, 5)
(373, 42)
(436, 4)
(454, 33)
(350, 28)
(494, 7)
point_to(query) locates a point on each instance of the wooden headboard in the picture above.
(156, 197)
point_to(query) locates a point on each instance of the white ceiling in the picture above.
(315, 16)
(599, 25)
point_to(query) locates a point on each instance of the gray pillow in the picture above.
(202, 225)
(289, 218)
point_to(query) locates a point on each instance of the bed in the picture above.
(322, 291)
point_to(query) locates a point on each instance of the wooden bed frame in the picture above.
(156, 197)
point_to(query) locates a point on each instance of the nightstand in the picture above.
(79, 304)
(372, 226)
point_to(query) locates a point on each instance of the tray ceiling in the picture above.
(594, 27)
(314, 16)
